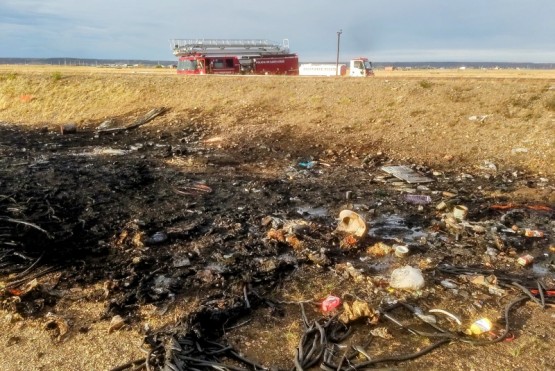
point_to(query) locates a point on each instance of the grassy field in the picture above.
(468, 116)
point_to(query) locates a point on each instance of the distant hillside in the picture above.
(449, 65)
(84, 62)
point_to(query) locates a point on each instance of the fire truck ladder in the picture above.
(220, 47)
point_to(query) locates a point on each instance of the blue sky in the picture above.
(383, 30)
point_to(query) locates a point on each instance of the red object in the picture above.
(198, 64)
(503, 206)
(330, 303)
(549, 293)
(513, 205)
(533, 233)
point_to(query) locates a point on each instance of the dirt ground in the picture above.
(215, 223)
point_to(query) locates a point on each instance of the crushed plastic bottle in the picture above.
(330, 303)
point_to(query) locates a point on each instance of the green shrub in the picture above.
(56, 76)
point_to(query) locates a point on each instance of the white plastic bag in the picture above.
(407, 277)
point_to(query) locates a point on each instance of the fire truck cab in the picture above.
(202, 65)
(360, 67)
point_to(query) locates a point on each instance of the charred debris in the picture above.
(171, 219)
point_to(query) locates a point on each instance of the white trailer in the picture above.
(310, 69)
(358, 67)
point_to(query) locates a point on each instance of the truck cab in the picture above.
(202, 65)
(360, 67)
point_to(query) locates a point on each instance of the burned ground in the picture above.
(206, 247)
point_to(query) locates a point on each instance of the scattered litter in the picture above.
(525, 260)
(418, 199)
(312, 212)
(330, 303)
(194, 189)
(406, 173)
(460, 212)
(448, 314)
(351, 222)
(527, 232)
(296, 227)
(358, 309)
(479, 118)
(104, 151)
(519, 150)
(448, 284)
(308, 164)
(428, 318)
(379, 249)
(396, 228)
(407, 277)
(157, 238)
(180, 262)
(479, 327)
(401, 251)
(139, 122)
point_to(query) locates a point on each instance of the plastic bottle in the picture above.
(479, 327)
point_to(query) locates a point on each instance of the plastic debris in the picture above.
(406, 173)
(428, 318)
(407, 277)
(308, 164)
(448, 284)
(479, 327)
(379, 249)
(359, 309)
(330, 303)
(525, 260)
(351, 222)
(526, 232)
(448, 314)
(401, 251)
(460, 212)
(157, 238)
(418, 199)
(479, 118)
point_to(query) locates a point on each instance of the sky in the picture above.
(382, 30)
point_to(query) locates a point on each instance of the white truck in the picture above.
(358, 67)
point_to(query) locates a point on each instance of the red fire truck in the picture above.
(216, 56)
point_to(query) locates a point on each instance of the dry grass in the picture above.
(413, 114)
